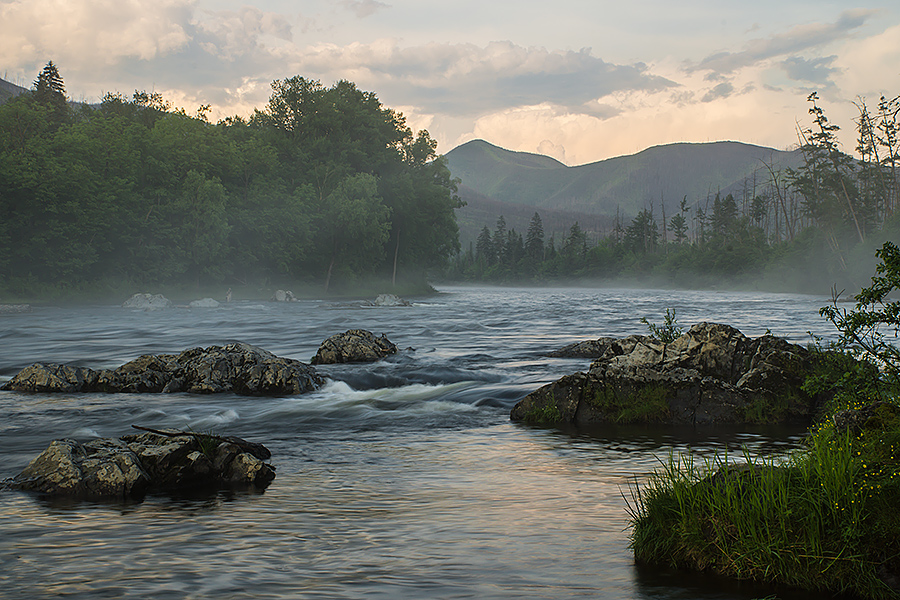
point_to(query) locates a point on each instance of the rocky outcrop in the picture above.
(237, 367)
(148, 302)
(711, 374)
(131, 466)
(390, 300)
(355, 345)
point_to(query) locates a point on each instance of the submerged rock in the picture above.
(283, 296)
(148, 302)
(129, 467)
(204, 303)
(237, 367)
(355, 345)
(390, 300)
(711, 374)
(14, 308)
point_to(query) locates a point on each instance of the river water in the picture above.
(400, 479)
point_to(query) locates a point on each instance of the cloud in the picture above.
(815, 70)
(797, 39)
(91, 32)
(723, 90)
(469, 79)
(364, 8)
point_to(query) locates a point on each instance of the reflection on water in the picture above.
(402, 479)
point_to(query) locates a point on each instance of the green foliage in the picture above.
(323, 184)
(669, 331)
(862, 329)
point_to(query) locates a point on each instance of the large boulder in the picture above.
(236, 367)
(128, 467)
(710, 375)
(355, 345)
(147, 302)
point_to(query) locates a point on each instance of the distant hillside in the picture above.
(626, 183)
(9, 90)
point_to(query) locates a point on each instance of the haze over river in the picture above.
(399, 479)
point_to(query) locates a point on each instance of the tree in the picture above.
(534, 239)
(484, 248)
(678, 225)
(862, 328)
(642, 235)
(50, 91)
(354, 225)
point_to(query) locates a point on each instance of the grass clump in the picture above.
(822, 519)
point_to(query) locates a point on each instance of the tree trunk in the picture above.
(396, 253)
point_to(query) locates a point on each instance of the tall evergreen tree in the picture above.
(534, 239)
(50, 91)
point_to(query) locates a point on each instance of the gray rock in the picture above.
(283, 296)
(128, 467)
(14, 308)
(355, 345)
(712, 374)
(204, 303)
(147, 302)
(104, 468)
(237, 367)
(390, 300)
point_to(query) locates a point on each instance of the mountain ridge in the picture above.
(620, 185)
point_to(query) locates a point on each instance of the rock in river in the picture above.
(129, 467)
(237, 367)
(355, 345)
(711, 374)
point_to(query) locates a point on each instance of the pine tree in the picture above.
(534, 239)
(50, 91)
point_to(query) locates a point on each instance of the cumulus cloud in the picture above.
(471, 79)
(795, 40)
(91, 32)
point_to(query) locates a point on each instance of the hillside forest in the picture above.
(323, 186)
(800, 229)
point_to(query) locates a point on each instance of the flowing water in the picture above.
(399, 479)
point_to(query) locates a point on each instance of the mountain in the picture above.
(625, 184)
(9, 90)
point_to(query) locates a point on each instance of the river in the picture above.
(400, 479)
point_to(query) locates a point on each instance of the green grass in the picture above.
(822, 518)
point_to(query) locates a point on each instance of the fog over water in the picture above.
(399, 479)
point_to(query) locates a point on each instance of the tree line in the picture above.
(796, 226)
(324, 186)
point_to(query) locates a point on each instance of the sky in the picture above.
(579, 80)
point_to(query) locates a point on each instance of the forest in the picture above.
(323, 187)
(804, 229)
(326, 189)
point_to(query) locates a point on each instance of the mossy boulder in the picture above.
(712, 374)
